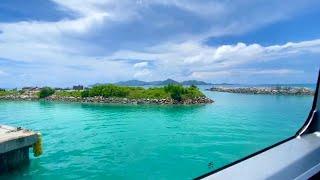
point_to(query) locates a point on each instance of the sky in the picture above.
(68, 42)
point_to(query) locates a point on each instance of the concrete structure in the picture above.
(78, 87)
(14, 146)
(30, 88)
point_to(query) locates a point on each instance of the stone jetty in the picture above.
(297, 91)
(105, 100)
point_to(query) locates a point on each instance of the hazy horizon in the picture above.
(212, 83)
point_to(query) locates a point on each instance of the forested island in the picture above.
(113, 94)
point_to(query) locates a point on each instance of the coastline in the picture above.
(112, 94)
(285, 91)
(111, 100)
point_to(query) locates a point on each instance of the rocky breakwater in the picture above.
(19, 97)
(111, 100)
(296, 91)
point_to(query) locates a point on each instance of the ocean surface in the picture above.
(149, 141)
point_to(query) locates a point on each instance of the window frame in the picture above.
(310, 125)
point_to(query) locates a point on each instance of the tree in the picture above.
(193, 86)
(45, 92)
(175, 91)
(85, 93)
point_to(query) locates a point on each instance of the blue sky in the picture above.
(62, 43)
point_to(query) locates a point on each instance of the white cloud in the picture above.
(115, 10)
(36, 29)
(144, 73)
(275, 72)
(209, 74)
(48, 42)
(141, 65)
(193, 60)
(242, 72)
(197, 55)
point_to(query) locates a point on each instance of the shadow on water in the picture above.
(25, 170)
(108, 113)
(97, 106)
(20, 170)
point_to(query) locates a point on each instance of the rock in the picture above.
(101, 99)
(266, 90)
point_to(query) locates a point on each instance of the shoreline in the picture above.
(113, 94)
(116, 101)
(284, 91)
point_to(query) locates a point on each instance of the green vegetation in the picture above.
(110, 91)
(45, 92)
(176, 92)
(69, 93)
(173, 91)
(8, 92)
(84, 93)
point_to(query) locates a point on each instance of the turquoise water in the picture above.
(152, 142)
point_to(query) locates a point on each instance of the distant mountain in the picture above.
(165, 82)
(160, 83)
(194, 82)
(97, 84)
(133, 83)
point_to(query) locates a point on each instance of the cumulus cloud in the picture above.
(194, 60)
(141, 65)
(144, 73)
(195, 55)
(242, 72)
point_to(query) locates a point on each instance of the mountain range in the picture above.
(160, 83)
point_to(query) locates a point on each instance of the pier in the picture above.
(14, 146)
